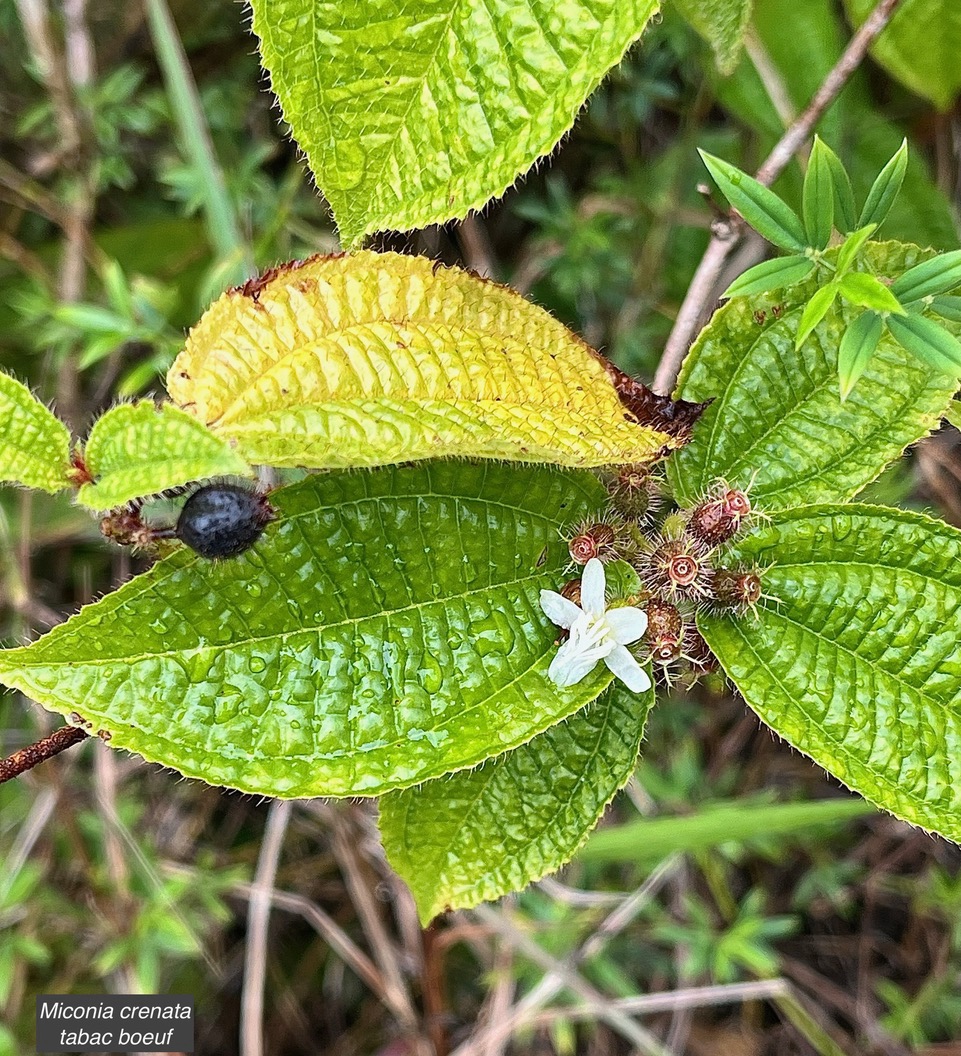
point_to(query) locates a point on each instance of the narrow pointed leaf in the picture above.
(759, 206)
(852, 246)
(771, 275)
(384, 630)
(34, 444)
(814, 311)
(857, 346)
(845, 211)
(818, 197)
(947, 307)
(885, 189)
(938, 275)
(722, 23)
(777, 416)
(929, 341)
(651, 840)
(377, 358)
(856, 661)
(140, 449)
(860, 288)
(479, 834)
(416, 113)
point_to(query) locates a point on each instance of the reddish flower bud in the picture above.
(572, 591)
(634, 492)
(736, 588)
(717, 518)
(674, 567)
(595, 540)
(665, 631)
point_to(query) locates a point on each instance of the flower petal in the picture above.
(593, 585)
(627, 669)
(570, 665)
(559, 610)
(627, 624)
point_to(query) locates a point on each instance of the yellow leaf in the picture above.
(372, 359)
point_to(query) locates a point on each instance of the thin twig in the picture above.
(601, 1006)
(258, 917)
(34, 754)
(344, 832)
(688, 998)
(725, 232)
(336, 938)
(553, 982)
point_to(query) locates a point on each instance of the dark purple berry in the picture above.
(222, 520)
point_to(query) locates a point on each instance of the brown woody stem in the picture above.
(34, 754)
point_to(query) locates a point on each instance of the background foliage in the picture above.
(110, 246)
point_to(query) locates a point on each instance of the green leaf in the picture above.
(885, 188)
(930, 278)
(141, 449)
(866, 291)
(856, 661)
(479, 834)
(852, 246)
(777, 415)
(770, 275)
(814, 311)
(857, 346)
(919, 46)
(722, 23)
(818, 197)
(414, 114)
(386, 629)
(953, 413)
(34, 444)
(845, 211)
(651, 840)
(376, 358)
(947, 307)
(759, 206)
(929, 341)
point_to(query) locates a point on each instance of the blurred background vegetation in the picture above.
(770, 914)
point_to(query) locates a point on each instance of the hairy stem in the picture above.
(34, 754)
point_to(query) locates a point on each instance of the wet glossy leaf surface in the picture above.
(379, 358)
(479, 834)
(386, 629)
(778, 415)
(854, 655)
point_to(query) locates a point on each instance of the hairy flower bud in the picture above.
(634, 492)
(718, 517)
(592, 540)
(572, 591)
(674, 567)
(665, 631)
(735, 588)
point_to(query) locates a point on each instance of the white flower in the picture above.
(595, 634)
